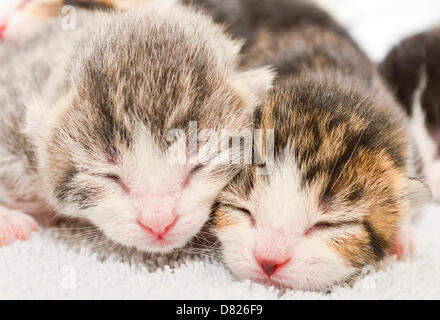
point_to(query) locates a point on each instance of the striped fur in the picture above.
(88, 114)
(342, 180)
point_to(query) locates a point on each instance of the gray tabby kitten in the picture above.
(86, 116)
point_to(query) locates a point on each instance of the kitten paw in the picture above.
(15, 225)
(404, 243)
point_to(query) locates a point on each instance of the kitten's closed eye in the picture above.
(245, 211)
(113, 177)
(248, 213)
(326, 225)
(192, 173)
(116, 179)
(196, 169)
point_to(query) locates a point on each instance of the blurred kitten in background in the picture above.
(412, 70)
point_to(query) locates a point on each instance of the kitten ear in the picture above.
(254, 85)
(419, 192)
(259, 81)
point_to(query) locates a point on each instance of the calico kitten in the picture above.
(342, 176)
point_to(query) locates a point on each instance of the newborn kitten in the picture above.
(341, 168)
(412, 70)
(89, 117)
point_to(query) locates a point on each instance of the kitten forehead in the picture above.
(164, 71)
(146, 165)
(282, 200)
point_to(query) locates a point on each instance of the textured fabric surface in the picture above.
(45, 267)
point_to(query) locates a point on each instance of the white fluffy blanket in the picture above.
(45, 267)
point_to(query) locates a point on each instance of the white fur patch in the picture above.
(283, 212)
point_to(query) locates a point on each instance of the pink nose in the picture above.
(158, 228)
(270, 266)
